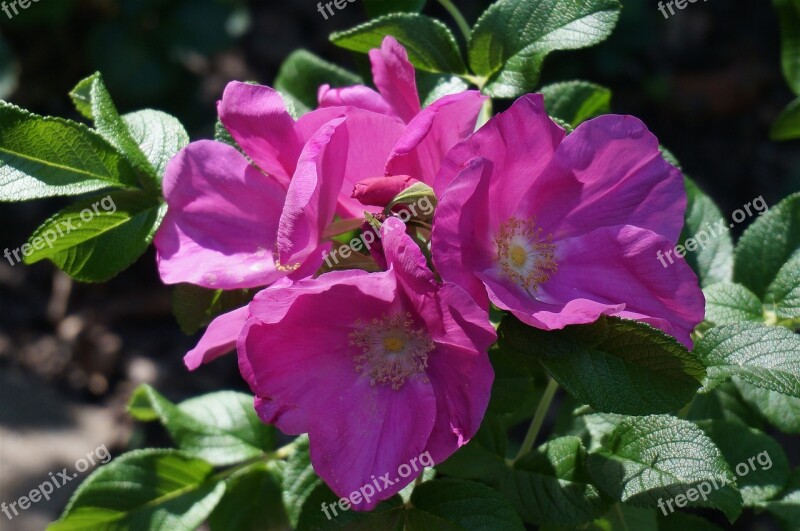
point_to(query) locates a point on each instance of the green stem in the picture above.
(458, 17)
(538, 418)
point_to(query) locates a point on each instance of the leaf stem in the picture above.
(458, 17)
(538, 418)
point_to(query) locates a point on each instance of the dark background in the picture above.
(707, 81)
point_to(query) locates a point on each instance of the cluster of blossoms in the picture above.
(384, 363)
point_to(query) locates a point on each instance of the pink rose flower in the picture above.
(377, 368)
(559, 229)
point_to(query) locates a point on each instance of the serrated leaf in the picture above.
(48, 157)
(550, 485)
(159, 136)
(159, 490)
(301, 75)
(96, 238)
(576, 101)
(728, 303)
(430, 44)
(113, 128)
(783, 295)
(470, 505)
(789, 15)
(260, 484)
(512, 38)
(713, 261)
(647, 459)
(780, 410)
(613, 365)
(765, 356)
(759, 462)
(767, 244)
(299, 480)
(787, 124)
(221, 427)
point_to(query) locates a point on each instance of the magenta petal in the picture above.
(257, 119)
(520, 142)
(395, 78)
(222, 222)
(311, 200)
(219, 338)
(357, 96)
(625, 179)
(432, 133)
(294, 351)
(376, 431)
(461, 242)
(615, 264)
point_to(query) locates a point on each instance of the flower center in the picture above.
(525, 255)
(390, 349)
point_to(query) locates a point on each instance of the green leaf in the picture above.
(430, 44)
(647, 459)
(471, 506)
(512, 38)
(723, 403)
(96, 238)
(780, 410)
(260, 484)
(159, 136)
(9, 71)
(618, 518)
(767, 244)
(783, 295)
(787, 506)
(113, 128)
(302, 73)
(787, 124)
(47, 157)
(431, 87)
(221, 427)
(576, 101)
(386, 516)
(729, 303)
(759, 462)
(614, 365)
(765, 356)
(195, 306)
(81, 97)
(483, 457)
(551, 485)
(159, 490)
(299, 480)
(789, 15)
(713, 260)
(376, 8)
